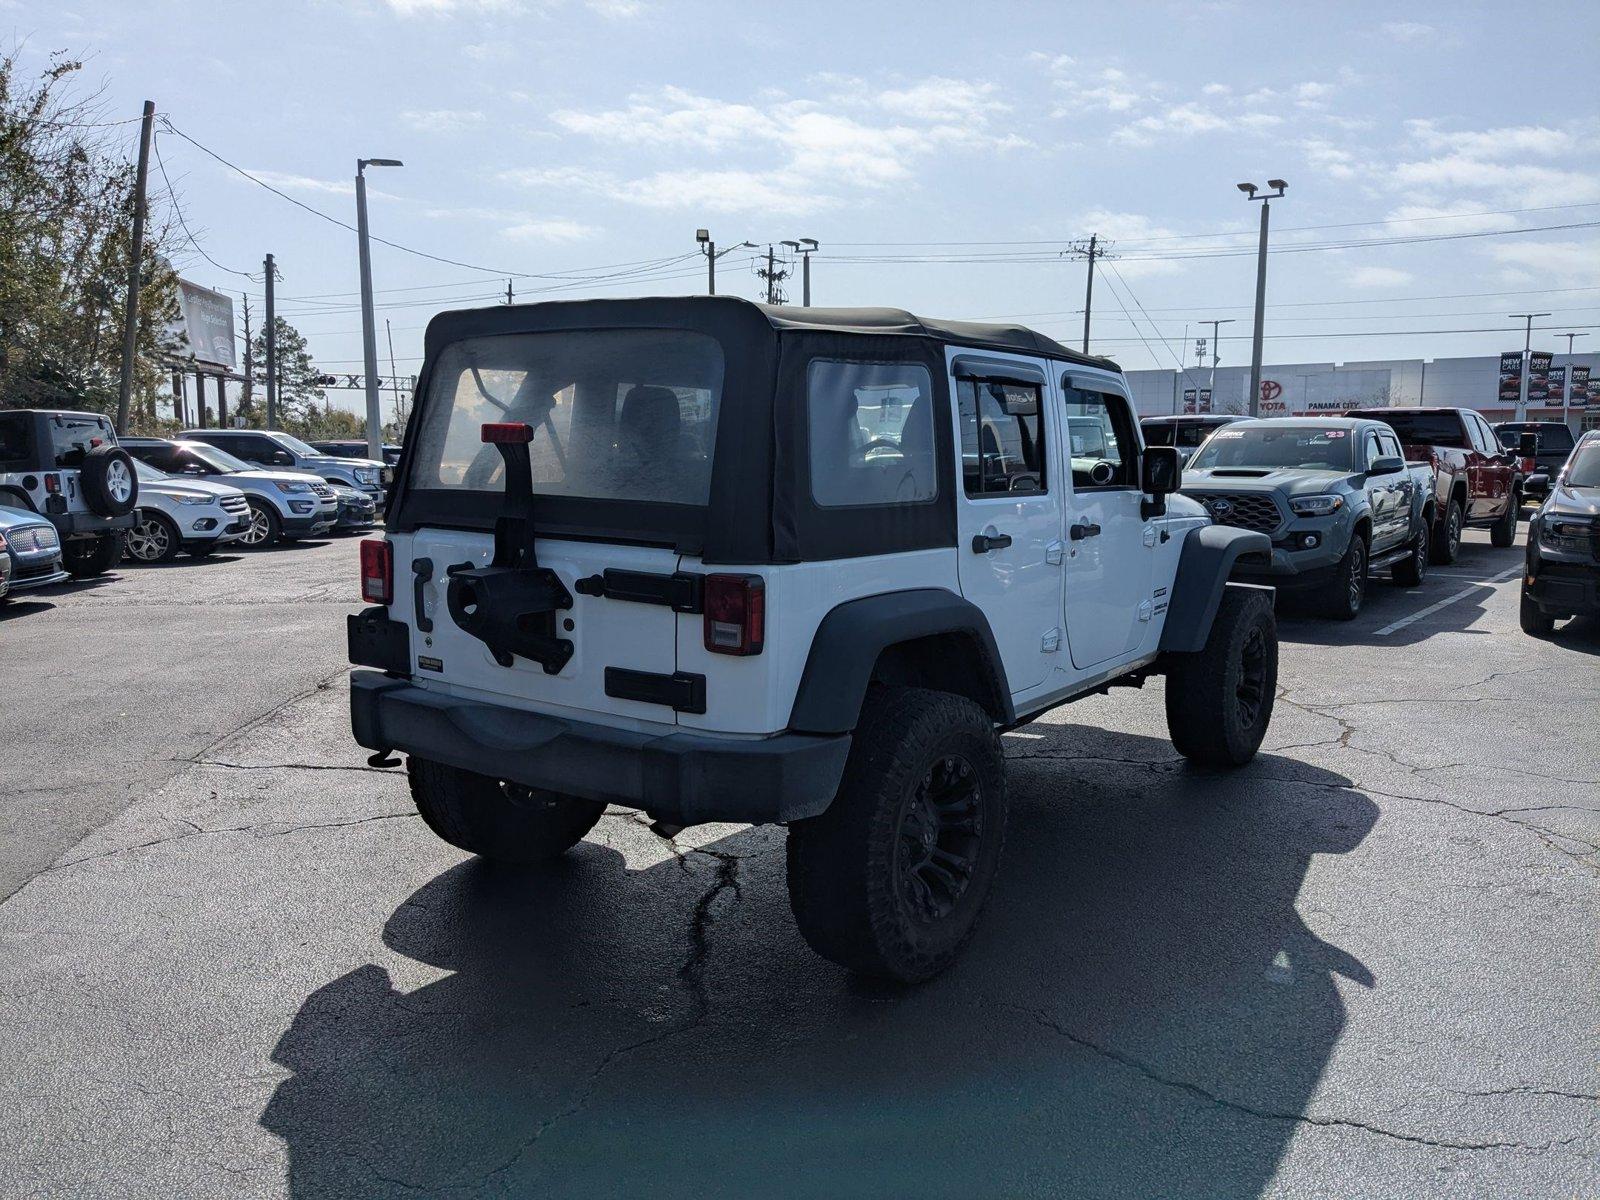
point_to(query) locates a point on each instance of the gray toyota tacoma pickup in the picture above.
(1334, 494)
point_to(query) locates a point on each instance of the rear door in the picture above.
(623, 427)
(1109, 544)
(1009, 538)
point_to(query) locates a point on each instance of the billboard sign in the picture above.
(1510, 376)
(207, 322)
(1580, 396)
(1539, 389)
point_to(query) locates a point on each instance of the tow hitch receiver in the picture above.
(511, 605)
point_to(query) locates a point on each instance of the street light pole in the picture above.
(1266, 198)
(709, 249)
(369, 332)
(1566, 383)
(1527, 345)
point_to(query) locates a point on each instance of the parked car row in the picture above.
(74, 498)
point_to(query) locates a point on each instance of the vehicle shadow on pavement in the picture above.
(1143, 1012)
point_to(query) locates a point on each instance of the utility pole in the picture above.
(1216, 347)
(130, 309)
(1266, 198)
(1527, 345)
(394, 378)
(510, 299)
(272, 349)
(774, 276)
(1093, 249)
(369, 333)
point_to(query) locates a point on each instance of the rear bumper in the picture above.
(78, 524)
(681, 778)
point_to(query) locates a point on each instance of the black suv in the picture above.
(68, 468)
(1562, 578)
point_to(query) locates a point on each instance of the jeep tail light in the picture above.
(735, 614)
(377, 572)
(513, 432)
(52, 484)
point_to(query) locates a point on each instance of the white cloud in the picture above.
(550, 229)
(1553, 264)
(1409, 32)
(1378, 277)
(1503, 181)
(818, 151)
(414, 8)
(1137, 234)
(1507, 142)
(616, 10)
(1106, 90)
(1216, 89)
(1328, 159)
(288, 182)
(441, 120)
(1189, 120)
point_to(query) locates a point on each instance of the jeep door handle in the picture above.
(982, 543)
(1083, 530)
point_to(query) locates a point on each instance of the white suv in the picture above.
(192, 515)
(727, 562)
(283, 505)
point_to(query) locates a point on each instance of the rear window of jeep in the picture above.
(617, 414)
(73, 437)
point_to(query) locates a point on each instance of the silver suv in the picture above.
(277, 451)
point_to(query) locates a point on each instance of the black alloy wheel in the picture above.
(941, 827)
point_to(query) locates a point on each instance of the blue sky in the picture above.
(555, 137)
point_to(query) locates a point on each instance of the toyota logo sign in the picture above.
(1220, 507)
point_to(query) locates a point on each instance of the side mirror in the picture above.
(1160, 474)
(283, 458)
(1387, 465)
(1528, 445)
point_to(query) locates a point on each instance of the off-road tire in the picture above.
(1447, 534)
(110, 485)
(1409, 572)
(857, 895)
(87, 557)
(1504, 531)
(161, 541)
(1534, 620)
(266, 526)
(1219, 699)
(1348, 591)
(504, 822)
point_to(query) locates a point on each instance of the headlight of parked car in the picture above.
(367, 475)
(1316, 506)
(1574, 537)
(194, 499)
(293, 489)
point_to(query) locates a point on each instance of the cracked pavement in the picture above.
(234, 962)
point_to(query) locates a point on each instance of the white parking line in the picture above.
(1437, 605)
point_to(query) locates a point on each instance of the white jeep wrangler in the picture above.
(726, 562)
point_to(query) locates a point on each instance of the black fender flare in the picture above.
(1207, 559)
(850, 638)
(27, 502)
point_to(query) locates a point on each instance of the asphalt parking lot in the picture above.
(234, 962)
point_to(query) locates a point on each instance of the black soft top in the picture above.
(761, 507)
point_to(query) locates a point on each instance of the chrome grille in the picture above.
(33, 538)
(1244, 510)
(235, 504)
(322, 489)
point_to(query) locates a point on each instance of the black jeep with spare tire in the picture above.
(68, 468)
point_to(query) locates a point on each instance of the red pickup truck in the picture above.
(1479, 482)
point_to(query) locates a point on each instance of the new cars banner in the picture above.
(1510, 376)
(1205, 400)
(1539, 390)
(1188, 400)
(1580, 397)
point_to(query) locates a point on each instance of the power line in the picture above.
(177, 208)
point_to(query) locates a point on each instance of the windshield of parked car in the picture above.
(147, 473)
(1551, 436)
(219, 460)
(627, 414)
(291, 443)
(1425, 428)
(1309, 447)
(1583, 468)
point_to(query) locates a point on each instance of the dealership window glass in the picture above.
(1002, 436)
(626, 414)
(870, 433)
(1100, 439)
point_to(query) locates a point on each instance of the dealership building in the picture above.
(1324, 388)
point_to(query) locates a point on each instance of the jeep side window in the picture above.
(1100, 440)
(1002, 436)
(15, 439)
(870, 429)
